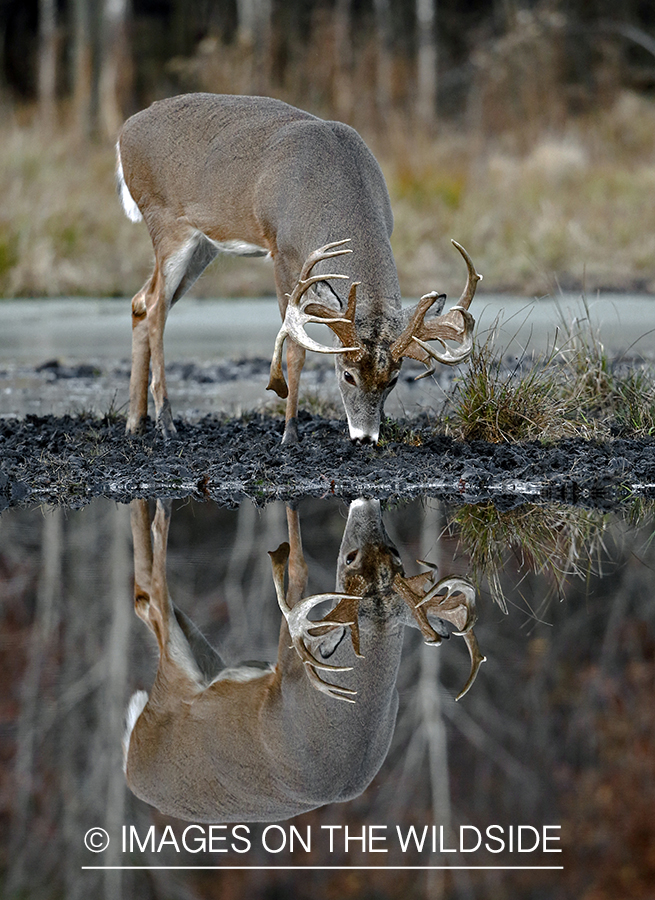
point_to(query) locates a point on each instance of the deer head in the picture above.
(372, 588)
(374, 342)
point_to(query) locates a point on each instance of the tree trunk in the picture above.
(113, 698)
(343, 61)
(115, 67)
(426, 80)
(47, 74)
(254, 32)
(384, 74)
(83, 107)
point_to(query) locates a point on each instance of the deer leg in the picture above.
(138, 411)
(206, 657)
(151, 602)
(297, 565)
(156, 321)
(295, 363)
(142, 546)
(175, 272)
(184, 654)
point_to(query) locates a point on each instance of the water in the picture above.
(34, 331)
(96, 333)
(556, 734)
(552, 746)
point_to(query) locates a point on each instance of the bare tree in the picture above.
(48, 598)
(343, 60)
(254, 32)
(384, 74)
(113, 697)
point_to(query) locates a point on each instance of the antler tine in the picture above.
(452, 613)
(401, 344)
(332, 690)
(477, 659)
(471, 280)
(300, 626)
(445, 610)
(450, 357)
(325, 252)
(412, 598)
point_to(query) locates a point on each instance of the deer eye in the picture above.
(348, 377)
(352, 556)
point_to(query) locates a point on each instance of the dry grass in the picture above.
(603, 397)
(574, 389)
(568, 204)
(573, 208)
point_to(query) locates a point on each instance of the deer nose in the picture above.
(365, 434)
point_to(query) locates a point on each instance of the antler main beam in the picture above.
(297, 315)
(460, 612)
(301, 626)
(456, 325)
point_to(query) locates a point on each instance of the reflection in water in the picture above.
(559, 727)
(252, 743)
(560, 542)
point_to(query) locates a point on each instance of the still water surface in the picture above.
(553, 745)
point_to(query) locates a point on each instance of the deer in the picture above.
(254, 176)
(254, 743)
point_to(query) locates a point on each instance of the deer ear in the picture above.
(435, 310)
(329, 645)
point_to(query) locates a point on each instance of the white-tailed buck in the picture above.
(248, 744)
(255, 176)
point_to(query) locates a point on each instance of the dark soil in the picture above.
(69, 460)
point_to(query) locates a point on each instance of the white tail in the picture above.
(252, 175)
(212, 744)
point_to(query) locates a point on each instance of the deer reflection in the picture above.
(218, 744)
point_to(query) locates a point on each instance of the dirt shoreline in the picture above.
(68, 460)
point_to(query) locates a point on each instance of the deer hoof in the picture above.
(290, 435)
(165, 422)
(136, 426)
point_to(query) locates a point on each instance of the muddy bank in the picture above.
(71, 459)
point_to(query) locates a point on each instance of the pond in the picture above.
(59, 356)
(538, 781)
(424, 669)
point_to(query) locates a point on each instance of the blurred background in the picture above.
(522, 129)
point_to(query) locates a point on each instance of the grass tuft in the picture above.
(574, 390)
(394, 432)
(492, 404)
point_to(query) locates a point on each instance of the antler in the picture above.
(301, 626)
(461, 613)
(298, 315)
(455, 325)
